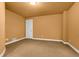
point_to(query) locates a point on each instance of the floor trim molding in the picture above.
(47, 39)
(14, 41)
(56, 40)
(3, 52)
(74, 48)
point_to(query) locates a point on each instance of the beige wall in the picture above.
(48, 26)
(15, 27)
(73, 25)
(2, 26)
(65, 26)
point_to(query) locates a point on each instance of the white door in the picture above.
(29, 28)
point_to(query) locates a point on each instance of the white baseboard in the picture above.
(74, 48)
(14, 41)
(3, 52)
(56, 40)
(47, 39)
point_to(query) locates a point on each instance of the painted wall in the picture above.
(65, 26)
(2, 26)
(48, 26)
(73, 25)
(15, 27)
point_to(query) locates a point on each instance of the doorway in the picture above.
(29, 28)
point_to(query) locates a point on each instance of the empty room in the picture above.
(39, 29)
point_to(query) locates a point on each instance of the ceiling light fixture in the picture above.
(33, 3)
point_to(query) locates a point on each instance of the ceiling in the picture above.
(42, 8)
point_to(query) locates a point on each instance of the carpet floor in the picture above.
(39, 48)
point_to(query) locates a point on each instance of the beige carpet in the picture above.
(37, 48)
